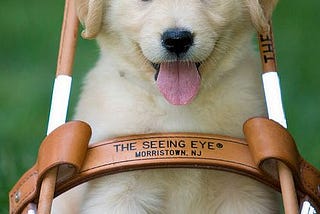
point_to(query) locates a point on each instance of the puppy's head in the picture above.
(177, 37)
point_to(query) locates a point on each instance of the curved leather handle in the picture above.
(65, 147)
(269, 142)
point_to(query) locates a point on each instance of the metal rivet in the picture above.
(219, 145)
(17, 196)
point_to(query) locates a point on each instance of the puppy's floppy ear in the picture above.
(90, 13)
(261, 12)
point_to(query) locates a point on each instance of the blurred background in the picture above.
(29, 40)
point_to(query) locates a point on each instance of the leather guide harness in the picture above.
(65, 151)
(78, 164)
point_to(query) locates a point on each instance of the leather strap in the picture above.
(268, 143)
(66, 148)
(166, 150)
(68, 39)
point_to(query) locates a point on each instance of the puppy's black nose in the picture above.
(177, 40)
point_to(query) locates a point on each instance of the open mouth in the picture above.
(178, 81)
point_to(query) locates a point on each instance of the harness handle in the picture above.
(60, 95)
(273, 98)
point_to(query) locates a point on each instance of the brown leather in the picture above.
(267, 50)
(165, 150)
(309, 182)
(269, 142)
(268, 61)
(68, 40)
(65, 147)
(153, 151)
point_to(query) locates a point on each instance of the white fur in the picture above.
(120, 97)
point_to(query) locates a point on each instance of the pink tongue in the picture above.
(178, 82)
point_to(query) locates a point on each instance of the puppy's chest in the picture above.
(150, 114)
(215, 118)
(124, 109)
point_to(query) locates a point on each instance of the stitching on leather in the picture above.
(306, 167)
(24, 196)
(128, 161)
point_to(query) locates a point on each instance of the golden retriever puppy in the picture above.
(172, 66)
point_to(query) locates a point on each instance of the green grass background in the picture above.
(29, 40)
